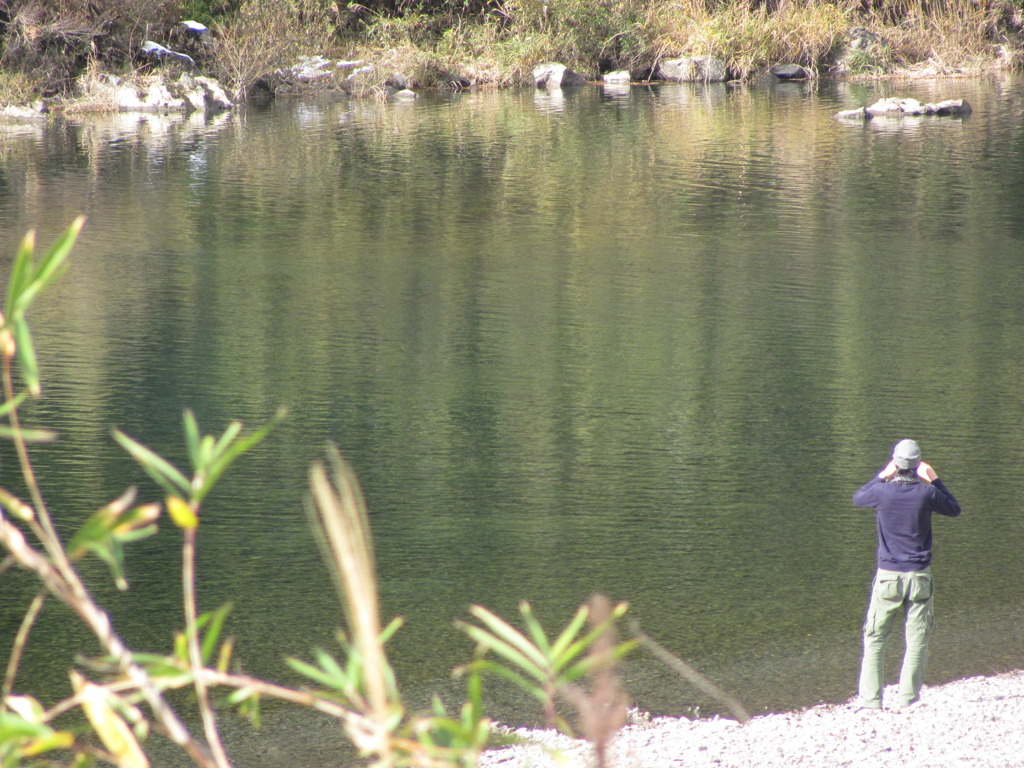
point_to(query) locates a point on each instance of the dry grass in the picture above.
(53, 40)
(339, 518)
(18, 88)
(750, 37)
(500, 41)
(263, 38)
(960, 33)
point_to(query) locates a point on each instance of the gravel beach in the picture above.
(976, 722)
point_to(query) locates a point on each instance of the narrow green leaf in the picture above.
(211, 637)
(14, 727)
(30, 435)
(483, 665)
(314, 673)
(501, 628)
(136, 518)
(239, 695)
(437, 707)
(21, 273)
(181, 648)
(136, 534)
(192, 436)
(534, 628)
(224, 655)
(171, 672)
(585, 665)
(570, 654)
(111, 553)
(56, 740)
(60, 250)
(562, 726)
(212, 473)
(506, 651)
(389, 631)
(230, 433)
(96, 527)
(166, 475)
(570, 632)
(9, 405)
(250, 709)
(473, 709)
(206, 446)
(330, 665)
(27, 363)
(575, 649)
(49, 268)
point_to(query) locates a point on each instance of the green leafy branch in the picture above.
(104, 534)
(539, 666)
(210, 456)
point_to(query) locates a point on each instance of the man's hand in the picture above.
(888, 471)
(925, 472)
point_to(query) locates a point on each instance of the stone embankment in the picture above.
(977, 722)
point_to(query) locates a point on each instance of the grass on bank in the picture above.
(504, 43)
(18, 87)
(45, 44)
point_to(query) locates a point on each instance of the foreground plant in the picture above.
(378, 725)
(110, 707)
(361, 691)
(121, 694)
(541, 667)
(24, 725)
(363, 680)
(210, 458)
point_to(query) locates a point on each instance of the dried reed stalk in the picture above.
(603, 708)
(339, 516)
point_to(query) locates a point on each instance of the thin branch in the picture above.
(99, 624)
(19, 643)
(689, 673)
(215, 677)
(47, 534)
(188, 577)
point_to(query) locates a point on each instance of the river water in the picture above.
(643, 341)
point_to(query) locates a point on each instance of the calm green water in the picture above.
(641, 341)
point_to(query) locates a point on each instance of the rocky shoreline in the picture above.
(978, 722)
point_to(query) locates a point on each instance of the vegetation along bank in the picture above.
(51, 50)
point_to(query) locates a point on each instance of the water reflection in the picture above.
(549, 99)
(616, 92)
(644, 342)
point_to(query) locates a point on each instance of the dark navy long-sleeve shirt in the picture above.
(904, 512)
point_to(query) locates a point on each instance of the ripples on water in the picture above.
(644, 340)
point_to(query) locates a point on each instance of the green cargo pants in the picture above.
(891, 593)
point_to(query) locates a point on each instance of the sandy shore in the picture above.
(976, 722)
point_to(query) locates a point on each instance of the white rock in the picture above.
(619, 76)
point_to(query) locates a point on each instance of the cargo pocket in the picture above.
(888, 588)
(921, 587)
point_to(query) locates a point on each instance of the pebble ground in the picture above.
(976, 722)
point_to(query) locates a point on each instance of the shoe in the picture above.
(861, 706)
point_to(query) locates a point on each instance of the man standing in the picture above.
(904, 494)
